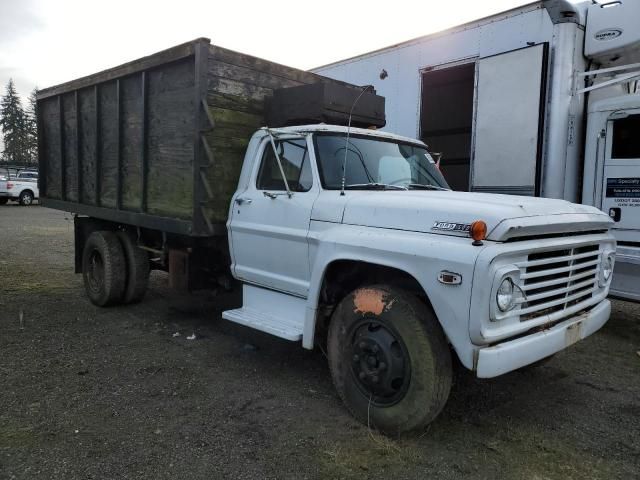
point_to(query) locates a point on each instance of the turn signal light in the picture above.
(478, 232)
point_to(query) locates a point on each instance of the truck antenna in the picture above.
(346, 144)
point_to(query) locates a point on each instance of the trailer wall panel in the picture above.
(108, 144)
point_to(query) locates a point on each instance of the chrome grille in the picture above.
(555, 280)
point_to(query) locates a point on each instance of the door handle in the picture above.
(242, 201)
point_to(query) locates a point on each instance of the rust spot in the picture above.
(369, 300)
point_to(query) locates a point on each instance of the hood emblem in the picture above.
(452, 227)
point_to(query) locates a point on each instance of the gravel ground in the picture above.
(123, 393)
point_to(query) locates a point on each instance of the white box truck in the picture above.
(541, 100)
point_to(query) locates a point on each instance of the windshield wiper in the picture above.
(374, 186)
(424, 186)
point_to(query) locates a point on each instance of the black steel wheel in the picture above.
(389, 359)
(380, 362)
(103, 268)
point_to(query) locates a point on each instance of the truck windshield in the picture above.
(375, 162)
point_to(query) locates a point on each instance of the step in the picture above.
(266, 323)
(269, 311)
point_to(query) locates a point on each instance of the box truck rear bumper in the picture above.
(508, 356)
(626, 274)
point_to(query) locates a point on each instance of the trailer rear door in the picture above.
(621, 179)
(509, 120)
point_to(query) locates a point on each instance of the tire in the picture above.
(3, 200)
(26, 198)
(407, 382)
(103, 268)
(137, 269)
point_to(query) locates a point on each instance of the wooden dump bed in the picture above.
(157, 142)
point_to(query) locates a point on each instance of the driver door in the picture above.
(269, 226)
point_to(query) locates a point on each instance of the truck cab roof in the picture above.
(322, 127)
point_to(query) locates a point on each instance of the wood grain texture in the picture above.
(108, 144)
(131, 141)
(171, 116)
(191, 165)
(49, 120)
(70, 145)
(87, 141)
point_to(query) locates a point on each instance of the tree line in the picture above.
(19, 127)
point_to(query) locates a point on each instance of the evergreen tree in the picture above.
(12, 124)
(31, 129)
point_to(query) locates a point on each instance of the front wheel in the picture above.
(389, 359)
(26, 198)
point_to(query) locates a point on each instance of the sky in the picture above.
(46, 42)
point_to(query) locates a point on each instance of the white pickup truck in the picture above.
(341, 237)
(22, 188)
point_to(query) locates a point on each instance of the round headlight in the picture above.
(606, 270)
(504, 296)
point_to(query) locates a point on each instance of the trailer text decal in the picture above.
(608, 34)
(623, 187)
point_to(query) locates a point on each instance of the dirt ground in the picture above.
(123, 393)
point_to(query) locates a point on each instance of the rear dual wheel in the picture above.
(389, 359)
(114, 269)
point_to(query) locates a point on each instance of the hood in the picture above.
(448, 212)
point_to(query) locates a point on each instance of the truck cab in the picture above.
(507, 280)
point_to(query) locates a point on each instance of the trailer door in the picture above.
(621, 172)
(509, 120)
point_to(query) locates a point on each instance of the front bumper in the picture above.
(511, 355)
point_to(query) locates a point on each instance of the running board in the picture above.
(272, 312)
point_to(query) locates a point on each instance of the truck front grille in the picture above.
(553, 281)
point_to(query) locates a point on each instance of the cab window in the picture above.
(294, 157)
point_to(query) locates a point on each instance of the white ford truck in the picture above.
(23, 187)
(339, 236)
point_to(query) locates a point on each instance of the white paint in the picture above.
(392, 228)
(499, 159)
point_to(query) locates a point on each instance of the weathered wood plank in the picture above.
(70, 146)
(250, 76)
(108, 144)
(49, 119)
(87, 141)
(229, 86)
(129, 134)
(171, 123)
(145, 63)
(234, 102)
(229, 118)
(242, 60)
(130, 141)
(224, 177)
